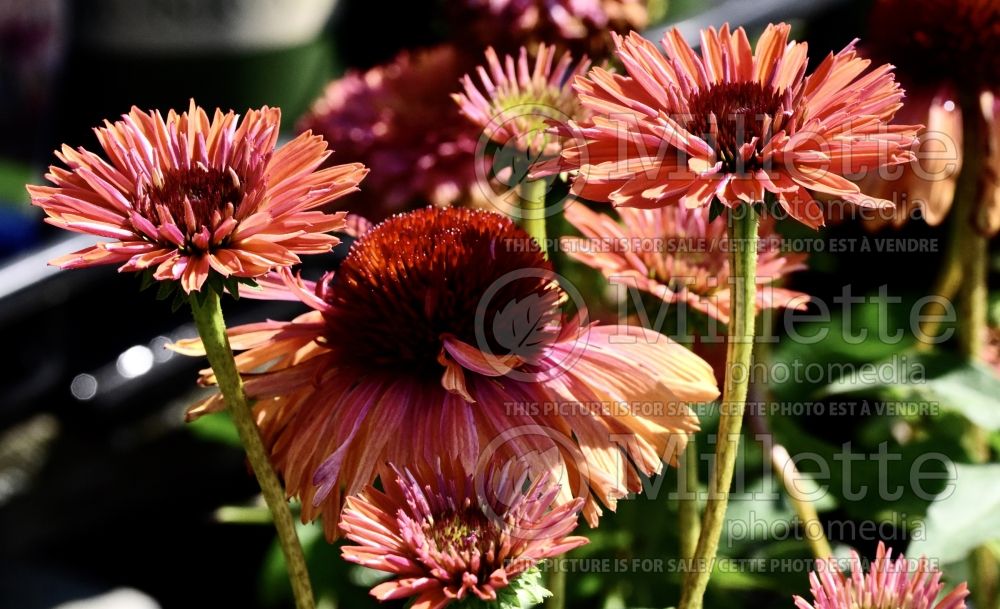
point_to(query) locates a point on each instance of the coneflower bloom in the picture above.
(399, 120)
(440, 334)
(943, 51)
(447, 536)
(889, 584)
(678, 255)
(516, 100)
(734, 124)
(185, 196)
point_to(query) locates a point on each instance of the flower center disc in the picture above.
(431, 272)
(741, 112)
(208, 190)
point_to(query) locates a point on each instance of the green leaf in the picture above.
(836, 341)
(13, 177)
(146, 280)
(165, 289)
(181, 299)
(994, 309)
(962, 517)
(715, 209)
(761, 510)
(524, 592)
(232, 285)
(861, 478)
(216, 427)
(941, 379)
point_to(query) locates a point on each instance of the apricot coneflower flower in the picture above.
(399, 120)
(185, 196)
(889, 584)
(943, 51)
(734, 124)
(516, 101)
(439, 335)
(447, 536)
(678, 255)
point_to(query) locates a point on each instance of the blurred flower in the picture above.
(186, 196)
(678, 255)
(935, 42)
(734, 124)
(926, 183)
(889, 584)
(400, 121)
(991, 349)
(582, 26)
(943, 50)
(31, 35)
(517, 101)
(440, 335)
(448, 536)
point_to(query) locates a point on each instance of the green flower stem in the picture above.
(207, 312)
(687, 508)
(743, 223)
(985, 574)
(946, 287)
(555, 582)
(973, 299)
(973, 291)
(533, 210)
(785, 468)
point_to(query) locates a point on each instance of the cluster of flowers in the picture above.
(403, 368)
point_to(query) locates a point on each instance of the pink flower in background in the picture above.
(677, 255)
(926, 183)
(889, 584)
(516, 99)
(399, 120)
(441, 334)
(991, 349)
(734, 124)
(185, 196)
(583, 26)
(447, 536)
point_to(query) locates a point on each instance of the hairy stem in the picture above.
(533, 210)
(556, 584)
(212, 329)
(973, 291)
(687, 509)
(743, 223)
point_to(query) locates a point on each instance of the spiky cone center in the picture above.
(422, 276)
(203, 201)
(737, 119)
